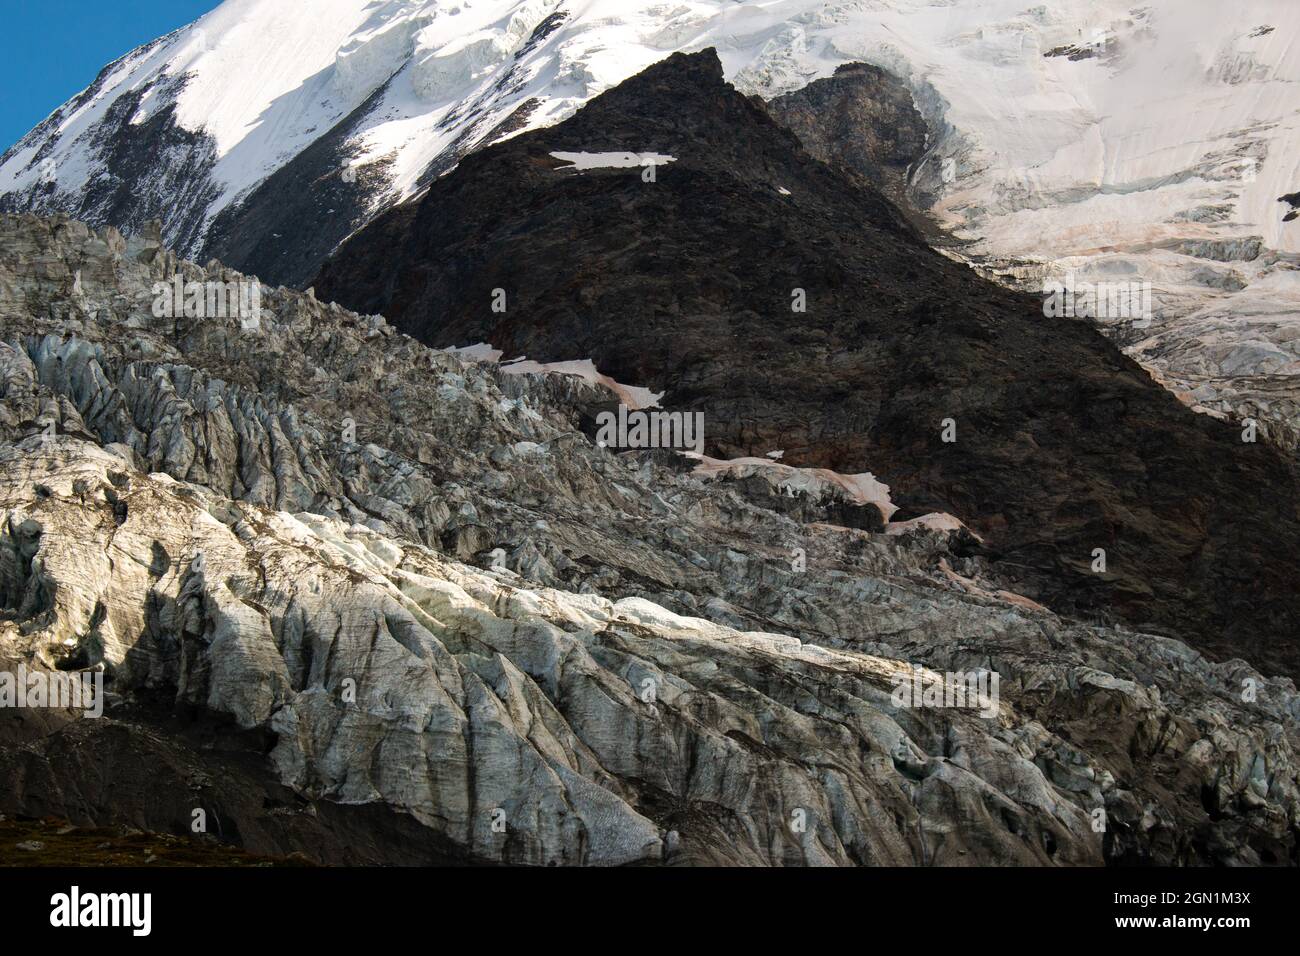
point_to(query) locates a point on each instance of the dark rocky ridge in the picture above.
(1064, 445)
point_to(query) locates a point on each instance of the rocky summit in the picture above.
(360, 600)
(795, 307)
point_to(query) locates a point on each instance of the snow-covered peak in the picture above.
(1131, 95)
(264, 80)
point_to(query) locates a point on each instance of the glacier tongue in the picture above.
(643, 676)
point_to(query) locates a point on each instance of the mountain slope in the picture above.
(1064, 141)
(399, 91)
(685, 284)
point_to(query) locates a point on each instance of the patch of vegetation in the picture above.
(54, 842)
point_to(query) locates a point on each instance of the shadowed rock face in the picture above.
(862, 121)
(286, 226)
(150, 766)
(684, 284)
(639, 674)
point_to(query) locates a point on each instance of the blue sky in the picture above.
(50, 50)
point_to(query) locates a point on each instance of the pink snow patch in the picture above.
(934, 521)
(860, 489)
(634, 397)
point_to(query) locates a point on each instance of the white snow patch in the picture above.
(585, 161)
(633, 396)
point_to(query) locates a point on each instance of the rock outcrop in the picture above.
(863, 121)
